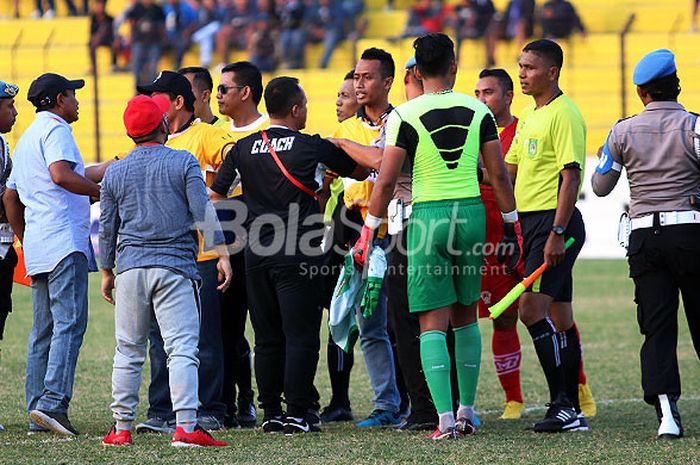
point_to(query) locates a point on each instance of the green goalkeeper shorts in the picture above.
(445, 253)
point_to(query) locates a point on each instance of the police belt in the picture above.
(666, 219)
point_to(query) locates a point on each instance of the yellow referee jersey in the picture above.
(547, 140)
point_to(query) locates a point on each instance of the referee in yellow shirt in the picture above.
(546, 160)
(209, 145)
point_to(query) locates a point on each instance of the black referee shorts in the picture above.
(555, 282)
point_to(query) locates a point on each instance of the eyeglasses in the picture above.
(223, 89)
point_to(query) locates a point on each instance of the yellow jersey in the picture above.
(547, 140)
(209, 145)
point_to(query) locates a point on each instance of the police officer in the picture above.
(660, 148)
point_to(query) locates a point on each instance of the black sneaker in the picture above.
(559, 418)
(273, 424)
(294, 426)
(412, 423)
(55, 421)
(583, 423)
(313, 417)
(332, 414)
(230, 421)
(247, 416)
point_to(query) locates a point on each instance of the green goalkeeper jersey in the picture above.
(442, 134)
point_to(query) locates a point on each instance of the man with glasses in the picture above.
(238, 96)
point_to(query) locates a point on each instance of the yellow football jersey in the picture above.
(209, 145)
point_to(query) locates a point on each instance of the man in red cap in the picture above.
(154, 200)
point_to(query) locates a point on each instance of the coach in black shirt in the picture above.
(280, 170)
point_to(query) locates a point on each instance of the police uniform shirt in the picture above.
(269, 192)
(547, 140)
(656, 147)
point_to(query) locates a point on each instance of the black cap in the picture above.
(171, 82)
(45, 88)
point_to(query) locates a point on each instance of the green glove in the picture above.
(370, 297)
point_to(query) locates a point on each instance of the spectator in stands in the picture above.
(559, 20)
(325, 23)
(210, 15)
(516, 23)
(262, 44)
(292, 34)
(50, 12)
(147, 20)
(355, 22)
(102, 34)
(471, 19)
(426, 17)
(180, 22)
(236, 27)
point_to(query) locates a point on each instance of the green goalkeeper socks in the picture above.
(468, 361)
(436, 365)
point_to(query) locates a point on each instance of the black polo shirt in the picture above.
(284, 223)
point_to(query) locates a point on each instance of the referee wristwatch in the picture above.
(558, 230)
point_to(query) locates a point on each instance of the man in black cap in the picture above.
(47, 202)
(660, 150)
(209, 145)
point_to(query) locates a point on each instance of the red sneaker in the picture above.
(198, 438)
(451, 433)
(123, 438)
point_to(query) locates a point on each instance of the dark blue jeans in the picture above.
(60, 301)
(211, 361)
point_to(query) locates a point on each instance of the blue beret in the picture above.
(654, 65)
(8, 90)
(410, 63)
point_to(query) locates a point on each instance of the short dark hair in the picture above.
(50, 103)
(281, 94)
(202, 78)
(663, 89)
(189, 105)
(501, 75)
(386, 62)
(547, 49)
(247, 74)
(349, 75)
(434, 54)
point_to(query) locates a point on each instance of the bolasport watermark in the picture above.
(293, 233)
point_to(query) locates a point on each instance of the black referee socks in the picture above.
(545, 338)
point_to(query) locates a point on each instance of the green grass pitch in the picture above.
(623, 432)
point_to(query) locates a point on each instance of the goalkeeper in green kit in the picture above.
(440, 134)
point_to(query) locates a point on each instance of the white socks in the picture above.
(668, 423)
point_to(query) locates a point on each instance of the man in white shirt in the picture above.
(47, 202)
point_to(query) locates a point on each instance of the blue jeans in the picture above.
(211, 355)
(379, 358)
(292, 42)
(60, 319)
(330, 41)
(144, 61)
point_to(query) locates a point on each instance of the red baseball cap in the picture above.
(143, 114)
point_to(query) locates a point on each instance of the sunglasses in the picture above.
(222, 89)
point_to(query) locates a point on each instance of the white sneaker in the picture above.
(669, 419)
(50, 14)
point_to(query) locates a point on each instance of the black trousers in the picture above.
(237, 356)
(663, 261)
(285, 309)
(7, 271)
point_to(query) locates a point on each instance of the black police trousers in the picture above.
(664, 260)
(285, 310)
